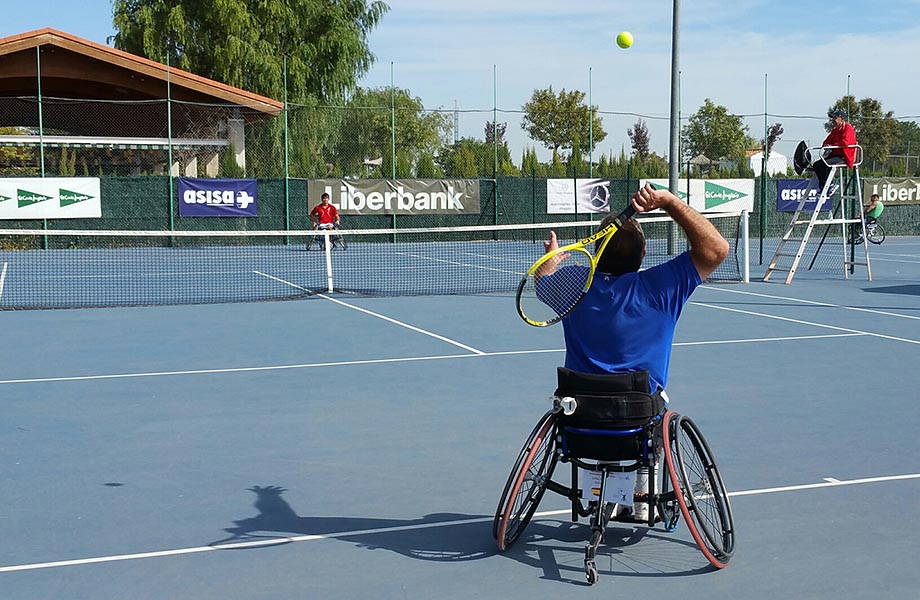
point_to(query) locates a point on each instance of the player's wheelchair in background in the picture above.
(335, 240)
(610, 426)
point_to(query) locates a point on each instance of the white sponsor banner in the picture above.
(712, 195)
(50, 198)
(571, 196)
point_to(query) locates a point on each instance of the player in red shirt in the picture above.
(326, 216)
(843, 136)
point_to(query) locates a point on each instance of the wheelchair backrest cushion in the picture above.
(608, 400)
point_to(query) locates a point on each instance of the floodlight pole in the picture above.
(673, 159)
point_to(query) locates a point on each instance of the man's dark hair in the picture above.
(324, 196)
(873, 196)
(624, 251)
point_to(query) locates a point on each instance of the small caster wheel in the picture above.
(591, 572)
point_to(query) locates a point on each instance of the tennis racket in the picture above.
(555, 284)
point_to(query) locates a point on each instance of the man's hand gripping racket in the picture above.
(555, 284)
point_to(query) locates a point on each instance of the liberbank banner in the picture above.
(50, 198)
(712, 195)
(398, 196)
(891, 190)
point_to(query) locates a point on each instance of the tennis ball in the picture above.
(624, 39)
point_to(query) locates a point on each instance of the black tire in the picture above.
(699, 489)
(526, 483)
(876, 235)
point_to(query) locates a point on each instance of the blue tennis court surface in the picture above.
(349, 447)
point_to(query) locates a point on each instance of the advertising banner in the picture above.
(892, 190)
(712, 195)
(50, 198)
(789, 193)
(218, 197)
(398, 196)
(575, 196)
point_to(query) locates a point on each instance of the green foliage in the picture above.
(469, 157)
(426, 167)
(243, 42)
(67, 163)
(876, 129)
(18, 160)
(228, 165)
(365, 129)
(639, 138)
(558, 120)
(715, 133)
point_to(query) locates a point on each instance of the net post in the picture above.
(745, 246)
(327, 246)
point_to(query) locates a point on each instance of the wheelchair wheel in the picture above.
(876, 235)
(699, 489)
(527, 482)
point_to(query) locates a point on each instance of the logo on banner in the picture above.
(599, 198)
(217, 197)
(240, 199)
(27, 198)
(717, 195)
(4, 198)
(789, 192)
(68, 198)
(680, 194)
(399, 196)
(399, 199)
(574, 196)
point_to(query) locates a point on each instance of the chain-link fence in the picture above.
(137, 149)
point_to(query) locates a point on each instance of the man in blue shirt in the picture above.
(626, 320)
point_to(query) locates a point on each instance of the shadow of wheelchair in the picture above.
(553, 546)
(557, 548)
(445, 537)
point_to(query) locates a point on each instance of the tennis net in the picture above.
(95, 268)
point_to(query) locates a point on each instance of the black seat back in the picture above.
(606, 404)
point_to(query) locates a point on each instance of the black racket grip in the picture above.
(626, 215)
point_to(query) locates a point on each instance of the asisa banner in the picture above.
(218, 197)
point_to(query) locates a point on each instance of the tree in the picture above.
(773, 134)
(243, 43)
(638, 137)
(876, 130)
(495, 128)
(365, 130)
(908, 147)
(715, 133)
(559, 120)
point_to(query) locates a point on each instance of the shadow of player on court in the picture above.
(438, 536)
(552, 546)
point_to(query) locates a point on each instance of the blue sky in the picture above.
(450, 53)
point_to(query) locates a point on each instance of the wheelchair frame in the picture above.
(692, 486)
(320, 237)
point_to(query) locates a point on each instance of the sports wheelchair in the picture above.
(609, 424)
(335, 240)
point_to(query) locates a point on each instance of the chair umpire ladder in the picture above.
(850, 190)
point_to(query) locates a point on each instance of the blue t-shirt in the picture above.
(626, 323)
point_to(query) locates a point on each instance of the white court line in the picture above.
(813, 302)
(458, 264)
(802, 322)
(379, 530)
(378, 315)
(2, 279)
(372, 361)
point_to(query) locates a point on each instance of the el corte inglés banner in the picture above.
(50, 198)
(712, 195)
